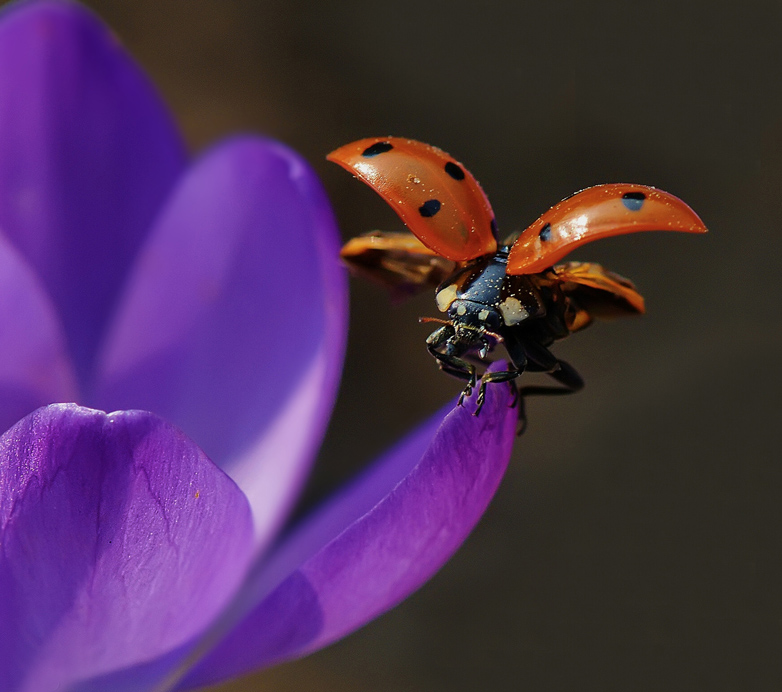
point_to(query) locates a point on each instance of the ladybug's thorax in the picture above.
(482, 295)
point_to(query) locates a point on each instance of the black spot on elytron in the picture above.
(494, 227)
(429, 208)
(633, 200)
(454, 170)
(545, 233)
(377, 148)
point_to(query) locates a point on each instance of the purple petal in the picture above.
(373, 544)
(233, 324)
(87, 156)
(119, 541)
(34, 365)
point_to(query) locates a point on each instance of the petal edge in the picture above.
(352, 573)
(111, 528)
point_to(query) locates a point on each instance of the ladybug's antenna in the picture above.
(435, 320)
(497, 337)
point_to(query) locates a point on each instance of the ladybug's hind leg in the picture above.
(543, 360)
(563, 373)
(532, 356)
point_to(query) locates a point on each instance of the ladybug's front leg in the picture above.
(457, 367)
(453, 365)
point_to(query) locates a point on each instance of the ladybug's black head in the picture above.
(472, 327)
(473, 315)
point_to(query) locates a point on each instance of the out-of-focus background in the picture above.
(635, 542)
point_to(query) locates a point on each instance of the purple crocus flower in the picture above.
(141, 549)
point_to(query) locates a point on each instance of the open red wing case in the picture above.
(598, 212)
(436, 197)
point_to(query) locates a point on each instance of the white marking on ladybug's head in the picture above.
(482, 315)
(513, 311)
(461, 310)
(445, 297)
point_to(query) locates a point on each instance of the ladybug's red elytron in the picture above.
(493, 293)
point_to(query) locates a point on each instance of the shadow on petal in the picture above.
(35, 368)
(233, 321)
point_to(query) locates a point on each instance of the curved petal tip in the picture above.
(376, 542)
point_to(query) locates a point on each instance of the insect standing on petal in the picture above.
(515, 293)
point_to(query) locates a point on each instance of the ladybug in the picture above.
(517, 292)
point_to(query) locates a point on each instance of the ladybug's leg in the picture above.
(494, 376)
(451, 364)
(534, 357)
(518, 356)
(542, 360)
(539, 357)
(458, 368)
(565, 374)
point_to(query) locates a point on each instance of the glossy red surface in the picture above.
(598, 212)
(447, 211)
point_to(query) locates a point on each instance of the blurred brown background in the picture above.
(635, 543)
